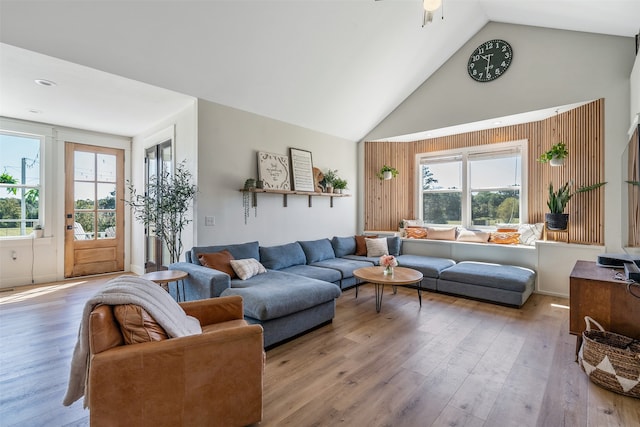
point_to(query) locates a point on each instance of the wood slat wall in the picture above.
(582, 129)
(633, 174)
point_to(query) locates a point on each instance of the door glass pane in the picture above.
(106, 196)
(84, 195)
(83, 226)
(84, 166)
(106, 167)
(106, 225)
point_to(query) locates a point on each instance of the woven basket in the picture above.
(610, 360)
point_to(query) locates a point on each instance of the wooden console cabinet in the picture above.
(596, 293)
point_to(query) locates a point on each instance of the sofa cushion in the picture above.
(377, 247)
(343, 246)
(313, 272)
(441, 233)
(475, 236)
(239, 251)
(344, 265)
(317, 250)
(276, 294)
(220, 261)
(415, 233)
(247, 268)
(361, 245)
(429, 266)
(395, 245)
(505, 238)
(137, 326)
(282, 256)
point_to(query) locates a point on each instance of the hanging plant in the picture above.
(555, 155)
(387, 172)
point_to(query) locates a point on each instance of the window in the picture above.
(20, 207)
(473, 187)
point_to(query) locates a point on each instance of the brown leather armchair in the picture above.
(211, 379)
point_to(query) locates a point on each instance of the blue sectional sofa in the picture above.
(303, 279)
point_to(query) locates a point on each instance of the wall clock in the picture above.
(490, 60)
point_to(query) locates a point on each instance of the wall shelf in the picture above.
(310, 194)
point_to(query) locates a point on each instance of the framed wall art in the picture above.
(302, 170)
(273, 170)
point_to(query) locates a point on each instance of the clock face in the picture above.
(490, 60)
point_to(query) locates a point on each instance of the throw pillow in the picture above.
(441, 233)
(412, 223)
(220, 261)
(377, 247)
(529, 233)
(415, 233)
(509, 238)
(136, 325)
(465, 235)
(361, 246)
(247, 268)
(507, 228)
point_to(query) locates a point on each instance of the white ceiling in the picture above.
(338, 67)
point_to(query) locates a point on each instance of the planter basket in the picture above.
(610, 360)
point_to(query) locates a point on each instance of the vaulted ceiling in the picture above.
(338, 67)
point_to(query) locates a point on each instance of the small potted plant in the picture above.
(38, 231)
(556, 155)
(387, 172)
(330, 177)
(339, 185)
(556, 219)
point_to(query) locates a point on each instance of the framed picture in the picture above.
(273, 170)
(302, 170)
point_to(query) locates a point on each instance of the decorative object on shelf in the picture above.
(302, 170)
(339, 185)
(557, 202)
(387, 172)
(490, 60)
(249, 184)
(273, 170)
(556, 155)
(164, 206)
(388, 262)
(259, 183)
(318, 179)
(329, 177)
(38, 232)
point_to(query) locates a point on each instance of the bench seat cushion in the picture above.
(276, 294)
(507, 277)
(429, 266)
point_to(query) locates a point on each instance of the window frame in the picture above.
(464, 153)
(7, 129)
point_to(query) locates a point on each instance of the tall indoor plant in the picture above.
(556, 218)
(164, 206)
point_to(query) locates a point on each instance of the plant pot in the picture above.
(556, 161)
(329, 189)
(38, 232)
(387, 175)
(556, 221)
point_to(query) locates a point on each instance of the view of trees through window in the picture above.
(19, 184)
(471, 189)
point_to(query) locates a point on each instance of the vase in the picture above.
(387, 175)
(388, 271)
(556, 161)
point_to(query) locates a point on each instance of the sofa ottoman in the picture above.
(504, 284)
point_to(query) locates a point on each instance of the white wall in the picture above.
(228, 142)
(549, 68)
(183, 129)
(43, 260)
(635, 93)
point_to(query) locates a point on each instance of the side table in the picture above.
(164, 277)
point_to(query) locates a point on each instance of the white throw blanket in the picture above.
(126, 290)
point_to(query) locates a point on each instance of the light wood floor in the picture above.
(455, 362)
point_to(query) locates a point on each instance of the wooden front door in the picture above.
(94, 210)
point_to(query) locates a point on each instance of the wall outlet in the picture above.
(209, 221)
(14, 255)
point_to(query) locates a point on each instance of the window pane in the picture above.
(106, 225)
(502, 172)
(106, 196)
(84, 166)
(83, 227)
(107, 167)
(492, 207)
(442, 176)
(442, 208)
(19, 165)
(85, 195)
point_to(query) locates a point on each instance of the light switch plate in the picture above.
(209, 221)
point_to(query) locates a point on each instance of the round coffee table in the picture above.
(164, 277)
(401, 276)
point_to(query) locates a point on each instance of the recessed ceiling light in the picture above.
(497, 122)
(35, 111)
(44, 82)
